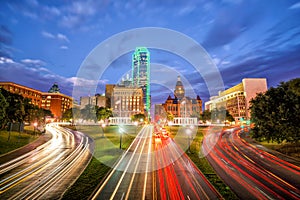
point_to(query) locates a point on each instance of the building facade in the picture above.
(97, 100)
(141, 74)
(26, 92)
(127, 101)
(181, 105)
(52, 100)
(237, 98)
(57, 103)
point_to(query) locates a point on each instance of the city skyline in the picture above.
(41, 44)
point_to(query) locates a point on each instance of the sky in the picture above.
(43, 42)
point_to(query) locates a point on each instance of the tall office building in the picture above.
(237, 98)
(141, 74)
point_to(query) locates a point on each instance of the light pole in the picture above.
(135, 123)
(170, 125)
(121, 133)
(34, 127)
(103, 126)
(184, 102)
(188, 132)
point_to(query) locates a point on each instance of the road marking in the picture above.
(146, 173)
(124, 172)
(116, 166)
(135, 168)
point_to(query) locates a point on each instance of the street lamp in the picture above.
(103, 126)
(188, 132)
(34, 126)
(170, 125)
(135, 123)
(184, 102)
(121, 133)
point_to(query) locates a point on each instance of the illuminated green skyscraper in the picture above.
(141, 74)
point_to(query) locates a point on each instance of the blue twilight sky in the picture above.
(42, 42)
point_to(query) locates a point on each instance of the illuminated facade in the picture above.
(179, 91)
(141, 74)
(26, 92)
(57, 103)
(54, 101)
(181, 105)
(236, 99)
(127, 101)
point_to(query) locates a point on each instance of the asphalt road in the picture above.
(155, 168)
(251, 172)
(46, 171)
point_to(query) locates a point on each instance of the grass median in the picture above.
(180, 135)
(14, 140)
(106, 153)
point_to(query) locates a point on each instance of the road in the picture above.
(251, 172)
(155, 168)
(46, 172)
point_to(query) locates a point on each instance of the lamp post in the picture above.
(135, 123)
(103, 126)
(34, 127)
(170, 125)
(188, 132)
(121, 133)
(184, 102)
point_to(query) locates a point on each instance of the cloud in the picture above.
(62, 37)
(33, 62)
(64, 47)
(11, 70)
(4, 60)
(5, 35)
(48, 35)
(295, 6)
(58, 36)
(231, 22)
(5, 41)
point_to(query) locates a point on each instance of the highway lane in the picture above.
(131, 175)
(177, 175)
(47, 171)
(249, 171)
(155, 168)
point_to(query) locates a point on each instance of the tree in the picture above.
(138, 117)
(3, 107)
(276, 113)
(67, 115)
(170, 117)
(103, 113)
(229, 117)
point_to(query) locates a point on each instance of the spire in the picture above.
(54, 88)
(179, 91)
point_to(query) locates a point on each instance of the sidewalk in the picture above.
(25, 149)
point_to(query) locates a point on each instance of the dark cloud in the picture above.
(5, 35)
(275, 65)
(230, 23)
(5, 41)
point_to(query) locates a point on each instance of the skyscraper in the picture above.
(141, 74)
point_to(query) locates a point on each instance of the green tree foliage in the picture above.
(3, 107)
(276, 113)
(19, 109)
(205, 116)
(103, 113)
(170, 117)
(138, 117)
